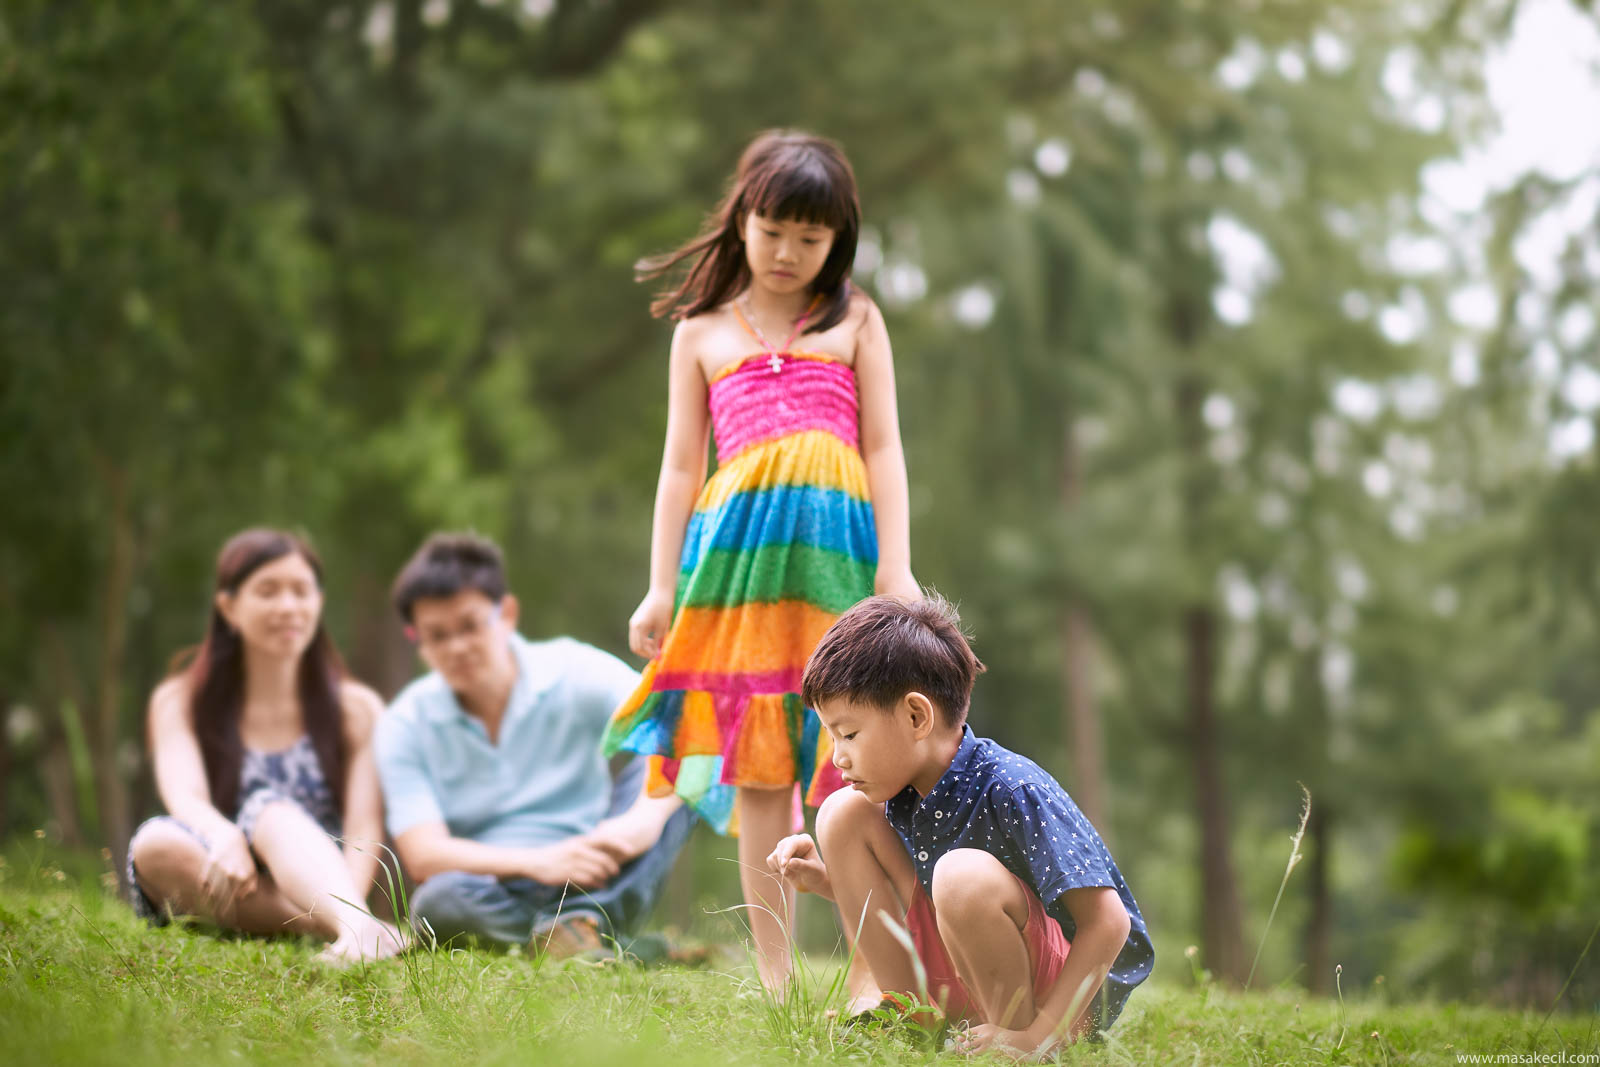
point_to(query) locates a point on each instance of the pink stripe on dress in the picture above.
(741, 684)
(753, 404)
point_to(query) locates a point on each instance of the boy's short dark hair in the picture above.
(447, 564)
(885, 647)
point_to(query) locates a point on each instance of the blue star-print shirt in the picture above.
(1006, 805)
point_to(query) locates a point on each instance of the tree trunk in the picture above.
(59, 785)
(1077, 669)
(1221, 919)
(106, 743)
(379, 654)
(62, 687)
(1319, 926)
(1221, 925)
(1313, 698)
(5, 766)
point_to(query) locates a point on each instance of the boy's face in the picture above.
(877, 750)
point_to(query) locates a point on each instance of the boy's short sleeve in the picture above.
(1052, 839)
(408, 795)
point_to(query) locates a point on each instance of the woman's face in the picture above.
(277, 608)
(785, 256)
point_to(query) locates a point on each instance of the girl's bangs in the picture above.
(806, 192)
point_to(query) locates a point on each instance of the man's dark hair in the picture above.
(447, 564)
(885, 647)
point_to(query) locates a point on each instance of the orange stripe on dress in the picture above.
(748, 639)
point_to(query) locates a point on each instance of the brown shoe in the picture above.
(575, 936)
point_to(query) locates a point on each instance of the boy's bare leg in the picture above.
(983, 913)
(871, 874)
(766, 816)
(170, 864)
(864, 992)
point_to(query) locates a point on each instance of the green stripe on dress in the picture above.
(822, 577)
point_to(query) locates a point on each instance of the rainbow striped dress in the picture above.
(781, 542)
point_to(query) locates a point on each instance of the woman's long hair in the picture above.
(782, 176)
(214, 674)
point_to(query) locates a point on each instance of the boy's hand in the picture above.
(797, 861)
(986, 1037)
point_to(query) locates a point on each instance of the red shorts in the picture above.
(1047, 952)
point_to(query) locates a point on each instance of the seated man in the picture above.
(498, 798)
(964, 872)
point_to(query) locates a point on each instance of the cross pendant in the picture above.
(775, 363)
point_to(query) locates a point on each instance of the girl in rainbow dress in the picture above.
(787, 365)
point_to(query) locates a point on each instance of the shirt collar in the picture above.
(953, 781)
(534, 678)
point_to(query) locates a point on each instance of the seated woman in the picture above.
(263, 757)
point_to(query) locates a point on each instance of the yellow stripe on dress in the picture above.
(812, 457)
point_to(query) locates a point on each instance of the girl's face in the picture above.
(277, 608)
(785, 256)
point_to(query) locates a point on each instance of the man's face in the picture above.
(465, 637)
(875, 749)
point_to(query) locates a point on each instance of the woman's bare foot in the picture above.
(374, 941)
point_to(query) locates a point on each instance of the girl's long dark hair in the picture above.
(782, 176)
(214, 674)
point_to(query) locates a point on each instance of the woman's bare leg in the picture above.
(311, 872)
(170, 864)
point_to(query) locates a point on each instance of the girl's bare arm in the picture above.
(683, 472)
(363, 798)
(885, 457)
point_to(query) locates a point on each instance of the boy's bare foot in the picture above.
(864, 1003)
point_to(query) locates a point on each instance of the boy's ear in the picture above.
(922, 714)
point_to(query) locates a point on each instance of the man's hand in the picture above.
(229, 873)
(623, 838)
(577, 860)
(797, 861)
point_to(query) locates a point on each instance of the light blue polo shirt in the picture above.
(544, 781)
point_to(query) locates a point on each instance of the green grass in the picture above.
(82, 981)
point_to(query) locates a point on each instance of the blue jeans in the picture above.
(512, 910)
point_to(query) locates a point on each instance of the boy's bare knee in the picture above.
(846, 814)
(966, 880)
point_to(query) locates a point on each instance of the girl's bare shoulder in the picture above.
(863, 313)
(713, 339)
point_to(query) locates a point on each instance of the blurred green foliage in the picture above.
(364, 269)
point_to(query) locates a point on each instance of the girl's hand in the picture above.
(897, 582)
(229, 873)
(649, 624)
(797, 861)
